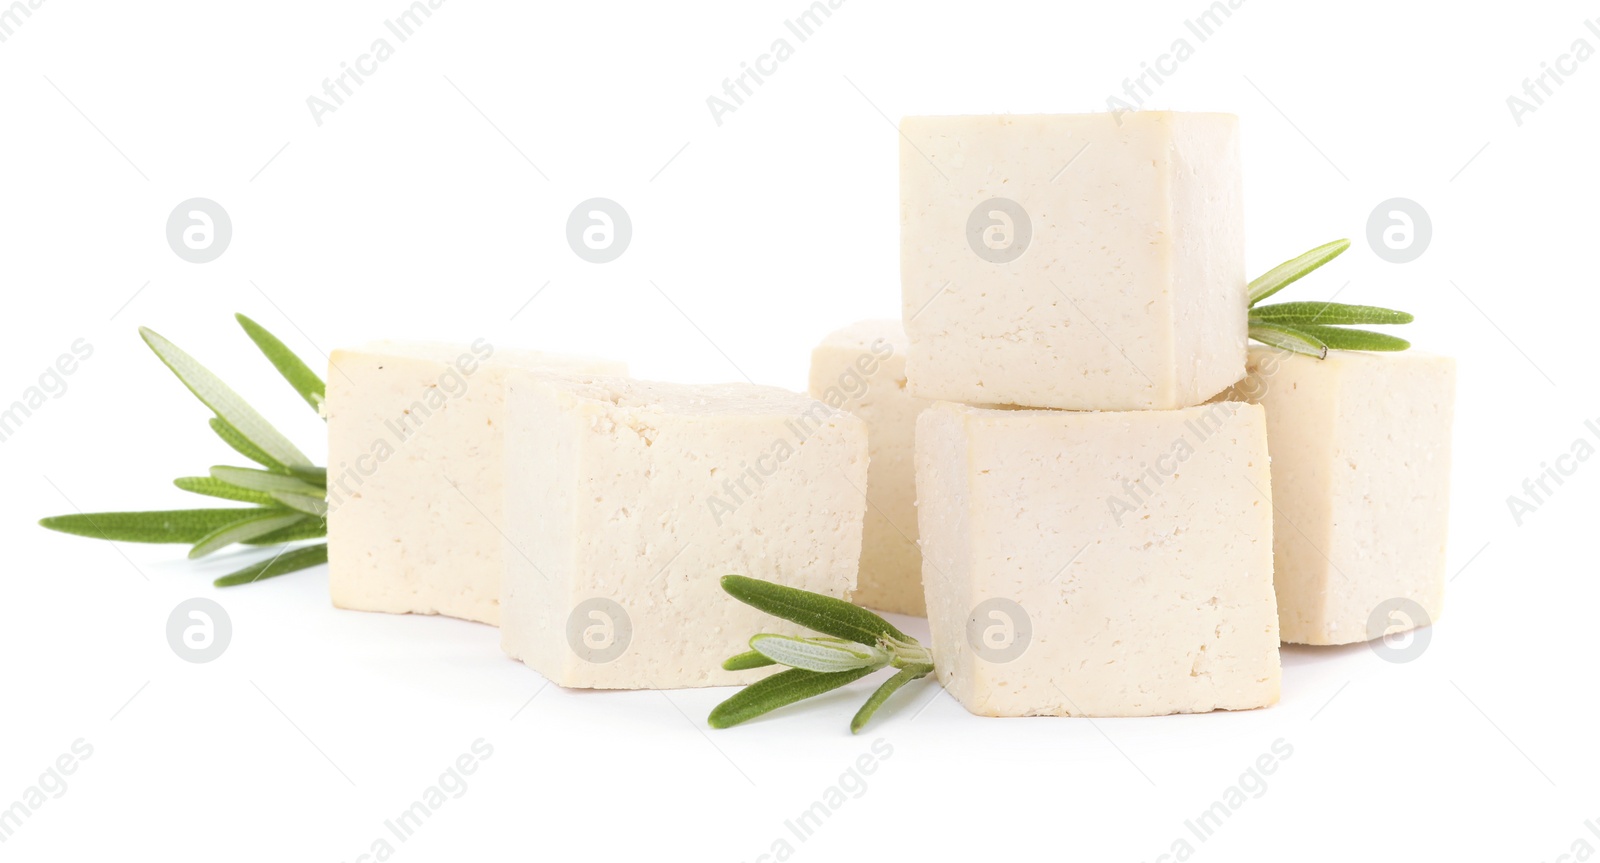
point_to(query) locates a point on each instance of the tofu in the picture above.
(628, 500)
(1079, 261)
(1099, 564)
(1361, 470)
(415, 470)
(861, 368)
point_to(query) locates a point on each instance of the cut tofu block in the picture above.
(861, 368)
(1081, 261)
(415, 469)
(628, 500)
(1361, 467)
(1099, 564)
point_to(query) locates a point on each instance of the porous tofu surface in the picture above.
(1099, 564)
(1079, 261)
(415, 468)
(861, 368)
(628, 500)
(1360, 447)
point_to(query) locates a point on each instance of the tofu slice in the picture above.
(1361, 470)
(1080, 261)
(415, 474)
(628, 500)
(1099, 564)
(861, 368)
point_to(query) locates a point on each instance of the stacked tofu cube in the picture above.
(1085, 262)
(1095, 539)
(1097, 524)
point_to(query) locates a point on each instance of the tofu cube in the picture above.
(415, 469)
(1099, 564)
(861, 368)
(628, 500)
(1080, 261)
(1361, 471)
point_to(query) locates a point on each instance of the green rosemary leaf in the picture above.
(314, 475)
(174, 525)
(294, 370)
(747, 660)
(813, 611)
(227, 404)
(243, 446)
(267, 481)
(781, 689)
(754, 659)
(242, 530)
(308, 528)
(312, 505)
(814, 655)
(1349, 339)
(293, 560)
(1284, 274)
(213, 487)
(1327, 314)
(1288, 338)
(889, 687)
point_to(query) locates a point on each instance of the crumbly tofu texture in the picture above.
(1137, 546)
(1130, 294)
(1361, 463)
(415, 454)
(861, 368)
(628, 500)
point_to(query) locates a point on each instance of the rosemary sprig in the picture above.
(289, 493)
(854, 644)
(292, 560)
(1314, 328)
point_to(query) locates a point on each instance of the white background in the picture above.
(416, 210)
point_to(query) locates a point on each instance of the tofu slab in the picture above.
(1080, 261)
(415, 455)
(1361, 471)
(628, 500)
(861, 368)
(1099, 564)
